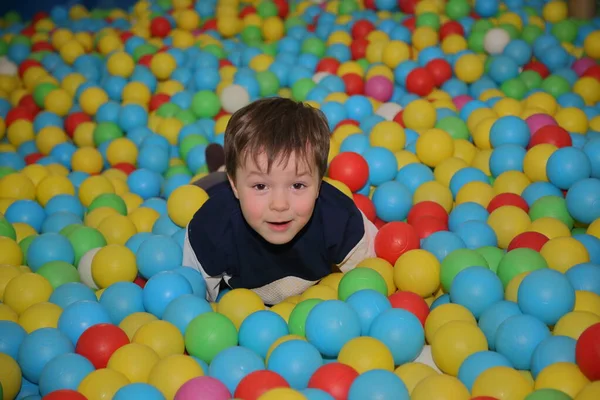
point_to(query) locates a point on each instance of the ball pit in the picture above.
(468, 132)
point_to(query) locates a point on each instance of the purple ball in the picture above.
(380, 88)
(537, 121)
(581, 65)
(203, 388)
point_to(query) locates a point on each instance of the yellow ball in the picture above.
(7, 273)
(413, 373)
(464, 150)
(237, 304)
(283, 309)
(94, 218)
(120, 64)
(343, 131)
(594, 228)
(333, 280)
(261, 62)
(143, 218)
(374, 53)
(135, 321)
(8, 314)
(573, 324)
(511, 182)
(417, 271)
(59, 102)
(72, 82)
(113, 263)
(53, 185)
(40, 315)
(25, 290)
(102, 384)
(91, 99)
(136, 93)
(84, 134)
(383, 268)
(434, 146)
(584, 301)
(508, 222)
(589, 89)
(133, 360)
(282, 394)
(562, 376)
(536, 158)
(350, 67)
(273, 29)
(444, 172)
(93, 187)
(503, 383)
(445, 314)
(388, 134)
(17, 186)
(188, 20)
(479, 115)
(555, 11)
(419, 115)
(184, 202)
(322, 292)
(405, 157)
(171, 372)
(481, 161)
(572, 119)
(591, 45)
(469, 68)
(117, 229)
(508, 106)
(71, 51)
(591, 391)
(550, 227)
(88, 160)
(562, 253)
(395, 52)
(436, 192)
(423, 37)
(169, 128)
(132, 201)
(454, 342)
(162, 337)
(481, 134)
(475, 192)
(440, 387)
(10, 377)
(109, 43)
(365, 354)
(453, 44)
(162, 65)
(49, 137)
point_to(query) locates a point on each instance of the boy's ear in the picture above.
(232, 183)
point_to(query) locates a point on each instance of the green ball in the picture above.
(41, 91)
(518, 261)
(215, 50)
(106, 132)
(457, 261)
(142, 50)
(578, 231)
(556, 85)
(268, 83)
(482, 25)
(475, 42)
(315, 46)
(548, 394)
(492, 255)
(21, 39)
(66, 231)
(6, 228)
(359, 279)
(268, 48)
(266, 9)
(178, 170)
(98, 13)
(298, 316)
(551, 206)
(457, 9)
(565, 31)
(24, 245)
(429, 19)
(208, 334)
(84, 239)
(251, 34)
(531, 79)
(530, 33)
(205, 104)
(3, 47)
(38, 56)
(530, 11)
(6, 171)
(58, 273)
(165, 5)
(189, 142)
(512, 31)
(187, 117)
(301, 88)
(455, 126)
(364, 64)
(348, 7)
(514, 88)
(109, 200)
(294, 21)
(168, 110)
(12, 17)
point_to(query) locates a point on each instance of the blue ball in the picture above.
(13, 160)
(157, 204)
(231, 365)
(518, 337)
(181, 311)
(537, 190)
(38, 348)
(464, 212)
(145, 183)
(260, 330)
(464, 176)
(27, 211)
(195, 279)
(113, 86)
(443, 299)
(65, 202)
(509, 130)
(28, 390)
(65, 371)
(442, 243)
(368, 304)
(383, 165)
(567, 166)
(158, 254)
(164, 226)
(49, 247)
(585, 276)
(503, 68)
(153, 157)
(392, 201)
(71, 292)
(138, 391)
(335, 113)
(55, 222)
(208, 79)
(519, 50)
(477, 234)
(45, 119)
(378, 384)
(507, 157)
(296, 361)
(334, 83)
(414, 175)
(355, 143)
(367, 124)
(553, 349)
(401, 332)
(79, 316)
(316, 394)
(358, 107)
(11, 337)
(583, 200)
(491, 319)
(137, 135)
(546, 294)
(330, 325)
(132, 116)
(477, 289)
(163, 288)
(592, 245)
(592, 150)
(122, 299)
(477, 363)
(134, 242)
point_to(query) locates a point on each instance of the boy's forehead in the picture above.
(260, 162)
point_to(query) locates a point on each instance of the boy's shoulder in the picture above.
(211, 220)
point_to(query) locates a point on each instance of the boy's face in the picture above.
(279, 204)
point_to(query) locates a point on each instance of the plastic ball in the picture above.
(554, 349)
(434, 146)
(394, 327)
(394, 239)
(40, 347)
(25, 290)
(517, 338)
(65, 371)
(156, 254)
(477, 363)
(201, 340)
(512, 386)
(444, 314)
(40, 315)
(184, 202)
(392, 201)
(440, 386)
(466, 289)
(556, 257)
(10, 376)
(496, 40)
(417, 271)
(562, 376)
(365, 354)
(378, 384)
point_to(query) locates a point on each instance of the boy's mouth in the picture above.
(279, 225)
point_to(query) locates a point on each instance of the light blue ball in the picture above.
(154, 158)
(65, 371)
(358, 107)
(368, 304)
(464, 212)
(413, 175)
(443, 299)
(195, 279)
(138, 391)
(355, 143)
(38, 348)
(330, 325)
(158, 253)
(401, 332)
(491, 319)
(442, 243)
(592, 150)
(392, 201)
(71, 292)
(316, 394)
(519, 50)
(592, 245)
(585, 276)
(55, 222)
(509, 130)
(567, 166)
(296, 361)
(477, 289)
(553, 349)
(65, 202)
(79, 316)
(27, 211)
(260, 330)
(145, 183)
(464, 176)
(507, 157)
(583, 200)
(182, 310)
(122, 299)
(383, 165)
(135, 241)
(546, 294)
(231, 365)
(157, 204)
(378, 384)
(517, 338)
(63, 152)
(335, 113)
(537, 190)
(11, 337)
(477, 363)
(163, 288)
(49, 247)
(477, 234)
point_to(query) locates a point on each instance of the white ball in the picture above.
(85, 268)
(8, 67)
(318, 77)
(234, 97)
(495, 40)
(427, 358)
(388, 110)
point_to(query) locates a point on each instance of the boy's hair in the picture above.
(278, 127)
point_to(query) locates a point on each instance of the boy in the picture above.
(271, 224)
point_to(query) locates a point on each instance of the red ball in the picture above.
(29, 103)
(399, 118)
(33, 158)
(347, 121)
(361, 29)
(125, 167)
(125, 36)
(351, 169)
(328, 64)
(160, 27)
(29, 31)
(74, 120)
(537, 67)
(427, 224)
(220, 114)
(158, 100)
(440, 70)
(593, 72)
(394, 239)
(334, 378)
(247, 11)
(587, 352)
(379, 223)
(354, 84)
(552, 134)
(145, 60)
(39, 15)
(407, 6)
(420, 81)
(411, 302)
(18, 113)
(370, 5)
(283, 8)
(507, 199)
(427, 208)
(25, 65)
(358, 48)
(209, 25)
(451, 28)
(365, 205)
(253, 385)
(529, 240)
(64, 394)
(410, 23)
(141, 282)
(41, 46)
(224, 62)
(98, 342)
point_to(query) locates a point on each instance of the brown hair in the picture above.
(278, 127)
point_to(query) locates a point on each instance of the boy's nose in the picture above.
(279, 201)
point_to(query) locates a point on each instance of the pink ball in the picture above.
(460, 101)
(536, 121)
(581, 65)
(203, 388)
(380, 88)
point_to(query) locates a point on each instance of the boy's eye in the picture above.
(260, 186)
(299, 186)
